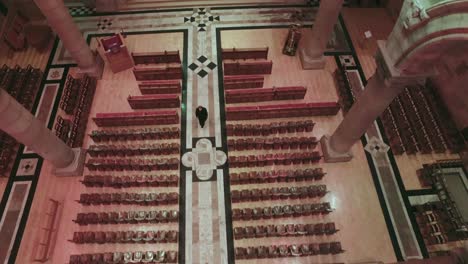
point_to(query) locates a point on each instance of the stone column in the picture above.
(313, 46)
(19, 123)
(61, 22)
(379, 92)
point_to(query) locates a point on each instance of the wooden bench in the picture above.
(282, 111)
(243, 54)
(160, 87)
(154, 101)
(290, 93)
(265, 94)
(46, 243)
(171, 72)
(243, 81)
(248, 67)
(249, 95)
(163, 117)
(156, 57)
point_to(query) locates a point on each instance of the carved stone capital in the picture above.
(415, 14)
(391, 76)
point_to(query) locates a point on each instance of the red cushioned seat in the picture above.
(249, 144)
(294, 142)
(270, 159)
(244, 177)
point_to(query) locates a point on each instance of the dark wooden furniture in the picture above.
(417, 121)
(247, 67)
(137, 118)
(23, 85)
(117, 53)
(160, 87)
(244, 54)
(154, 101)
(171, 72)
(243, 81)
(81, 113)
(281, 111)
(265, 94)
(46, 244)
(156, 57)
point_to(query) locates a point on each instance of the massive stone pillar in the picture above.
(379, 92)
(61, 22)
(19, 123)
(313, 46)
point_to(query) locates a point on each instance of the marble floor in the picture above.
(361, 208)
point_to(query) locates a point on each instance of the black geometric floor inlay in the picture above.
(201, 18)
(81, 11)
(202, 66)
(104, 23)
(347, 61)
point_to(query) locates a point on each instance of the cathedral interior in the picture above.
(249, 131)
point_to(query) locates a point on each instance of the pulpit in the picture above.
(117, 54)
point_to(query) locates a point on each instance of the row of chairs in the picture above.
(272, 143)
(244, 54)
(427, 119)
(149, 257)
(247, 67)
(140, 118)
(247, 130)
(132, 164)
(283, 251)
(154, 101)
(156, 57)
(277, 193)
(133, 150)
(111, 237)
(135, 134)
(7, 151)
(235, 96)
(419, 130)
(392, 133)
(278, 211)
(445, 124)
(70, 95)
(160, 87)
(62, 128)
(255, 177)
(282, 111)
(81, 113)
(171, 71)
(282, 230)
(131, 181)
(404, 127)
(129, 198)
(127, 217)
(21, 83)
(274, 159)
(346, 95)
(243, 81)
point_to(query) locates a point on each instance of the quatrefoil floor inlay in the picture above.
(203, 159)
(376, 146)
(201, 18)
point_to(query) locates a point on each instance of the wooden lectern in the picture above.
(117, 54)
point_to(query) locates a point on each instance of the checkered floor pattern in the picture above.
(81, 11)
(202, 66)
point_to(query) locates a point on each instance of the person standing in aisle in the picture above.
(202, 114)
